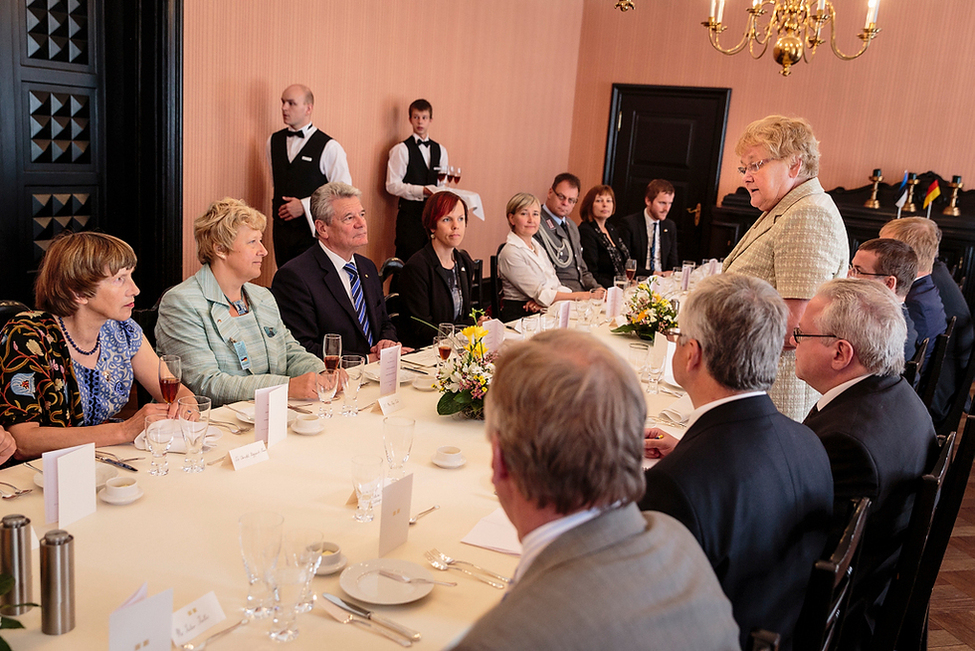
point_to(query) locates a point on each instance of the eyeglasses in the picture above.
(856, 271)
(754, 167)
(799, 335)
(672, 334)
(564, 199)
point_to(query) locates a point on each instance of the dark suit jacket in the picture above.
(426, 295)
(596, 255)
(313, 303)
(755, 489)
(928, 313)
(880, 440)
(960, 346)
(635, 237)
(623, 580)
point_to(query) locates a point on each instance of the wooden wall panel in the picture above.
(501, 76)
(906, 103)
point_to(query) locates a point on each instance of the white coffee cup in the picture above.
(448, 455)
(331, 556)
(121, 488)
(307, 423)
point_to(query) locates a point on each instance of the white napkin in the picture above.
(495, 532)
(178, 445)
(679, 410)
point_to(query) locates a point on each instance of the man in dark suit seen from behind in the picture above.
(594, 572)
(330, 288)
(877, 432)
(649, 236)
(560, 235)
(753, 486)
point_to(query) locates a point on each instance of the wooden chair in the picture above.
(477, 286)
(9, 309)
(829, 587)
(912, 369)
(961, 399)
(913, 633)
(930, 382)
(390, 269)
(926, 501)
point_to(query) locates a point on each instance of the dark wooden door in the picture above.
(674, 133)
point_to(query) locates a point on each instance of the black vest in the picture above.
(302, 176)
(417, 172)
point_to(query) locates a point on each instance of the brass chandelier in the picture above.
(797, 27)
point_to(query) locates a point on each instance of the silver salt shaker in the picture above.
(15, 561)
(57, 582)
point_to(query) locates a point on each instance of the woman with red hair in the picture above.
(436, 281)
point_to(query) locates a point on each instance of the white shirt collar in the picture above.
(538, 539)
(703, 409)
(837, 390)
(336, 258)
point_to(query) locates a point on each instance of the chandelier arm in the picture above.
(867, 35)
(713, 37)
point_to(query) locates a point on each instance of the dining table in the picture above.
(182, 534)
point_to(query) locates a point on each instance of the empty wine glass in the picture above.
(367, 478)
(529, 326)
(353, 369)
(170, 374)
(303, 548)
(159, 436)
(289, 586)
(327, 383)
(398, 441)
(638, 358)
(656, 362)
(260, 542)
(194, 418)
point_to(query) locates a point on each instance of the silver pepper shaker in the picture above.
(57, 582)
(15, 561)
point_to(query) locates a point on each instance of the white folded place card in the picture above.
(619, 321)
(495, 532)
(614, 302)
(389, 404)
(495, 334)
(69, 484)
(145, 624)
(271, 414)
(685, 277)
(389, 370)
(195, 619)
(248, 455)
(564, 308)
(394, 519)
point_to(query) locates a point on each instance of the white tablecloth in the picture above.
(183, 533)
(472, 199)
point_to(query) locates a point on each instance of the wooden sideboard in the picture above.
(735, 215)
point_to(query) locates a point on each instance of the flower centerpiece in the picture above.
(464, 378)
(647, 313)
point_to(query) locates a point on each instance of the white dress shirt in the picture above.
(333, 164)
(653, 239)
(538, 539)
(340, 268)
(703, 409)
(526, 274)
(837, 390)
(399, 158)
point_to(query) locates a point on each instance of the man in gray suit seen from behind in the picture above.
(594, 571)
(560, 235)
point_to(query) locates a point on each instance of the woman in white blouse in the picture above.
(527, 275)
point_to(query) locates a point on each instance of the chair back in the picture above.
(390, 269)
(914, 627)
(960, 400)
(495, 289)
(930, 382)
(829, 586)
(477, 286)
(912, 368)
(925, 502)
(9, 309)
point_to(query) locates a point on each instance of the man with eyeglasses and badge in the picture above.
(560, 235)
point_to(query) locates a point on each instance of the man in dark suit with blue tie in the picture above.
(649, 236)
(331, 289)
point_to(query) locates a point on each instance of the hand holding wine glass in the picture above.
(170, 374)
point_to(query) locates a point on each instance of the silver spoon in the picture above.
(194, 647)
(423, 513)
(17, 491)
(402, 578)
(443, 567)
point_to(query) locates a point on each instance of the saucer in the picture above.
(443, 463)
(424, 384)
(119, 500)
(324, 570)
(307, 432)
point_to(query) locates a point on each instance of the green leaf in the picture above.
(4, 646)
(629, 327)
(6, 583)
(7, 622)
(447, 406)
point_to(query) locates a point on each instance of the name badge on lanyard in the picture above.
(241, 349)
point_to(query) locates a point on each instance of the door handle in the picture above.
(696, 211)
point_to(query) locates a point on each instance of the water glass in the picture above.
(638, 358)
(194, 418)
(289, 585)
(303, 548)
(398, 441)
(159, 436)
(367, 477)
(656, 362)
(327, 382)
(353, 365)
(621, 281)
(260, 543)
(529, 326)
(548, 322)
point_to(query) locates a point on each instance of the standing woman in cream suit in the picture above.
(798, 243)
(527, 275)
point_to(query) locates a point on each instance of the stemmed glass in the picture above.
(303, 548)
(289, 583)
(630, 268)
(353, 369)
(159, 436)
(451, 175)
(332, 351)
(445, 342)
(170, 374)
(456, 176)
(260, 543)
(398, 441)
(367, 477)
(327, 382)
(441, 175)
(638, 358)
(529, 326)
(194, 418)
(656, 361)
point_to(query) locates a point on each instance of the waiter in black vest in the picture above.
(302, 159)
(411, 175)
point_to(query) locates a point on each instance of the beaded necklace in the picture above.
(67, 334)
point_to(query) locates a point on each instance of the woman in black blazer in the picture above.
(435, 284)
(602, 247)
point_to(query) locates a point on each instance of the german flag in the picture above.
(934, 191)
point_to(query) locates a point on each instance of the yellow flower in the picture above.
(474, 332)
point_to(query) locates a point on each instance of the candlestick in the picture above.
(872, 202)
(911, 182)
(952, 208)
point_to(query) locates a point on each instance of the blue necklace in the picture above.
(240, 306)
(67, 334)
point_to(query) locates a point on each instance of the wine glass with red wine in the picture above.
(332, 351)
(451, 175)
(441, 175)
(630, 269)
(456, 176)
(170, 374)
(444, 341)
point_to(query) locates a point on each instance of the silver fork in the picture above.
(233, 429)
(450, 561)
(443, 567)
(402, 578)
(17, 491)
(196, 647)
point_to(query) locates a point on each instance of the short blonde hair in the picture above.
(219, 225)
(923, 235)
(561, 447)
(74, 265)
(784, 138)
(518, 202)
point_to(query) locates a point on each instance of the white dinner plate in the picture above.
(102, 474)
(405, 375)
(362, 581)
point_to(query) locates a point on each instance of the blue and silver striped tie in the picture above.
(358, 302)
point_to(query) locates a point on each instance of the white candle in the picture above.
(871, 13)
(711, 15)
(821, 5)
(755, 3)
(720, 10)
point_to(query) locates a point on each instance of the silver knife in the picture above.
(362, 612)
(117, 464)
(345, 617)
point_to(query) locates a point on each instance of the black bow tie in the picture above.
(425, 143)
(300, 134)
